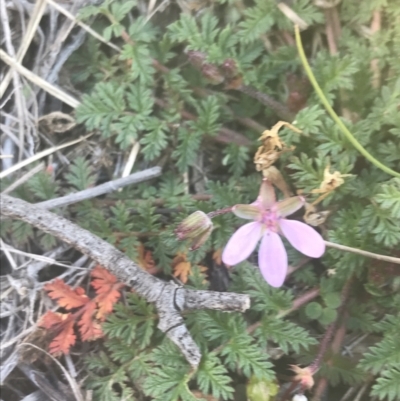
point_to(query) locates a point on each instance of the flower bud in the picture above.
(261, 389)
(212, 73)
(313, 217)
(229, 68)
(197, 227)
(304, 376)
(196, 58)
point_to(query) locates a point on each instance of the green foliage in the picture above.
(289, 336)
(43, 186)
(389, 198)
(236, 157)
(387, 352)
(131, 324)
(383, 359)
(141, 62)
(342, 370)
(22, 232)
(313, 310)
(151, 93)
(240, 352)
(212, 377)
(257, 21)
(156, 139)
(81, 175)
(387, 385)
(334, 73)
(102, 107)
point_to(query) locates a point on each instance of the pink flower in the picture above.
(268, 216)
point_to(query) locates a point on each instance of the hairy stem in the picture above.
(332, 113)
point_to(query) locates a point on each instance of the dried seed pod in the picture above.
(197, 227)
(313, 217)
(212, 73)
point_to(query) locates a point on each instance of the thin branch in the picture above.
(101, 189)
(363, 253)
(169, 298)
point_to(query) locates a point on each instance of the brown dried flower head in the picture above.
(272, 146)
(330, 182)
(313, 217)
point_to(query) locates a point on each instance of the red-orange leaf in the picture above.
(88, 327)
(62, 343)
(182, 271)
(217, 256)
(107, 289)
(145, 259)
(106, 303)
(102, 279)
(66, 296)
(51, 319)
(181, 266)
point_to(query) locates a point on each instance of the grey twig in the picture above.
(169, 298)
(101, 189)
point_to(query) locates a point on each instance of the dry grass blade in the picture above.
(8, 249)
(87, 28)
(19, 100)
(39, 156)
(24, 178)
(131, 159)
(40, 6)
(71, 381)
(294, 17)
(53, 90)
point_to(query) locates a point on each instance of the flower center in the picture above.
(270, 220)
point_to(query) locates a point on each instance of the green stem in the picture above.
(332, 113)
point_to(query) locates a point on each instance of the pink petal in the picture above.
(288, 206)
(302, 237)
(266, 196)
(272, 259)
(248, 212)
(242, 243)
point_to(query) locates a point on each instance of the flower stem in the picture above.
(300, 301)
(219, 212)
(363, 253)
(332, 113)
